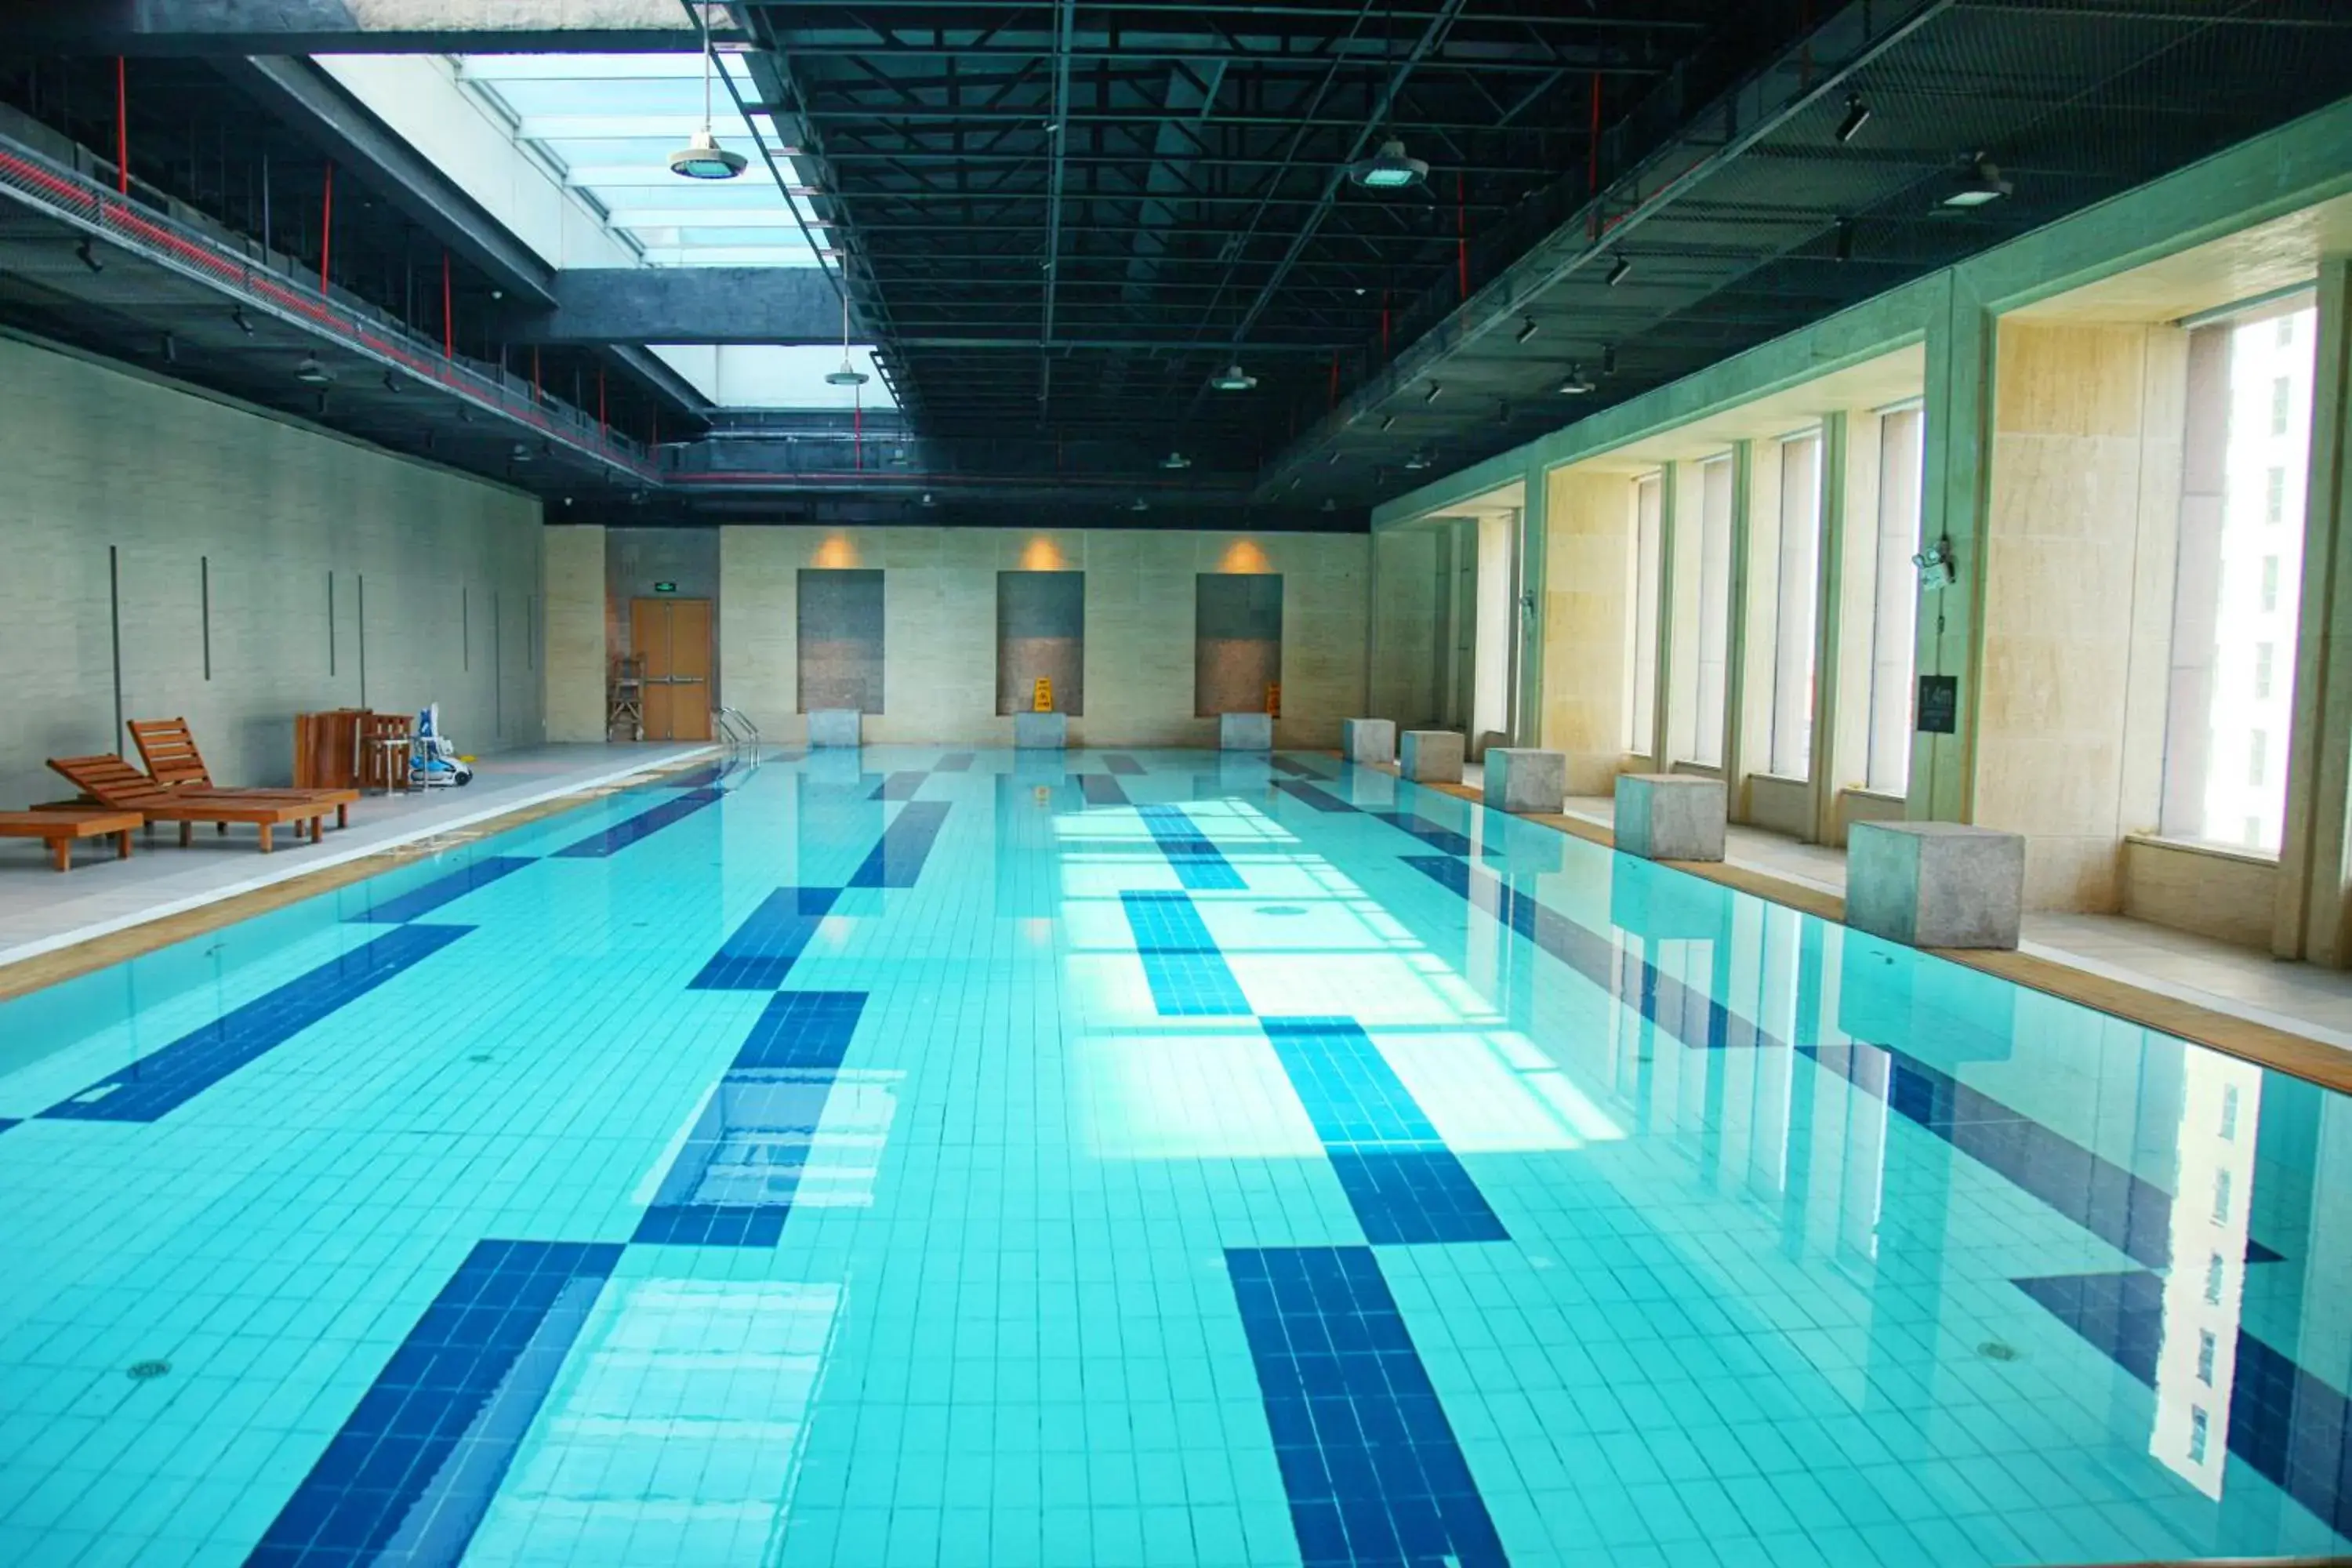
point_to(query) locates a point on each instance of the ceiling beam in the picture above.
(181, 28)
(324, 113)
(685, 305)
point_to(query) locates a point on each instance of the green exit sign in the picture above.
(665, 587)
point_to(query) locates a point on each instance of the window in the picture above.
(1714, 607)
(1641, 626)
(1790, 753)
(2247, 446)
(1901, 479)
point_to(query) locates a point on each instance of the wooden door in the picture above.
(674, 634)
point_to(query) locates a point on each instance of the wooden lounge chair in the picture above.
(168, 747)
(119, 786)
(61, 827)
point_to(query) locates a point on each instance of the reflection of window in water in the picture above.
(2196, 1359)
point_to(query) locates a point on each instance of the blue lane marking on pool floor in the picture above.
(1321, 799)
(400, 907)
(900, 785)
(2120, 1207)
(1296, 768)
(1200, 864)
(1119, 764)
(2292, 1428)
(735, 1176)
(1369, 1461)
(955, 763)
(1444, 839)
(762, 951)
(1188, 974)
(165, 1079)
(1101, 789)
(413, 1470)
(807, 1029)
(898, 860)
(1406, 1185)
(643, 826)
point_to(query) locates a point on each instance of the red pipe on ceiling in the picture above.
(121, 129)
(327, 226)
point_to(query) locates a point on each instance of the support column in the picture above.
(2312, 918)
(1841, 670)
(1957, 461)
(1737, 742)
(1661, 703)
(1527, 716)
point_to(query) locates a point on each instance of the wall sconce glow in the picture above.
(1242, 555)
(1041, 555)
(836, 553)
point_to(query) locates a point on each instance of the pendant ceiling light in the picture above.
(1979, 184)
(703, 158)
(311, 372)
(849, 374)
(1389, 169)
(1233, 378)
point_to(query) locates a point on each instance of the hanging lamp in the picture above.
(703, 158)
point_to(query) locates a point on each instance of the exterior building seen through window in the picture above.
(2237, 576)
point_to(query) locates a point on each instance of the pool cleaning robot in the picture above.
(433, 758)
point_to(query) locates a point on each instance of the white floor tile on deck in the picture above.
(41, 911)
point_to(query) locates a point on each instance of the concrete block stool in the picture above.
(1368, 739)
(1670, 817)
(1520, 779)
(1246, 732)
(834, 727)
(1040, 731)
(1935, 884)
(1430, 756)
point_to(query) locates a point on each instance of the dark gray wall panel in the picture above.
(841, 639)
(1041, 634)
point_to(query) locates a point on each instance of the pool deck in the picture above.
(42, 913)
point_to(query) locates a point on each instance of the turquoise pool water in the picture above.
(923, 1157)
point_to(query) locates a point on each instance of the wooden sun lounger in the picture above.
(60, 828)
(115, 784)
(168, 747)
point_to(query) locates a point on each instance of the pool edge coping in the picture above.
(49, 961)
(2307, 1056)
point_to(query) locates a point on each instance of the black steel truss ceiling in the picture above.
(1071, 216)
(1060, 219)
(1065, 218)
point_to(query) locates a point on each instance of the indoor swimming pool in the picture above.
(936, 1157)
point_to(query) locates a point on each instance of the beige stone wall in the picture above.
(2077, 597)
(435, 578)
(1405, 655)
(2231, 897)
(1588, 600)
(940, 626)
(572, 572)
